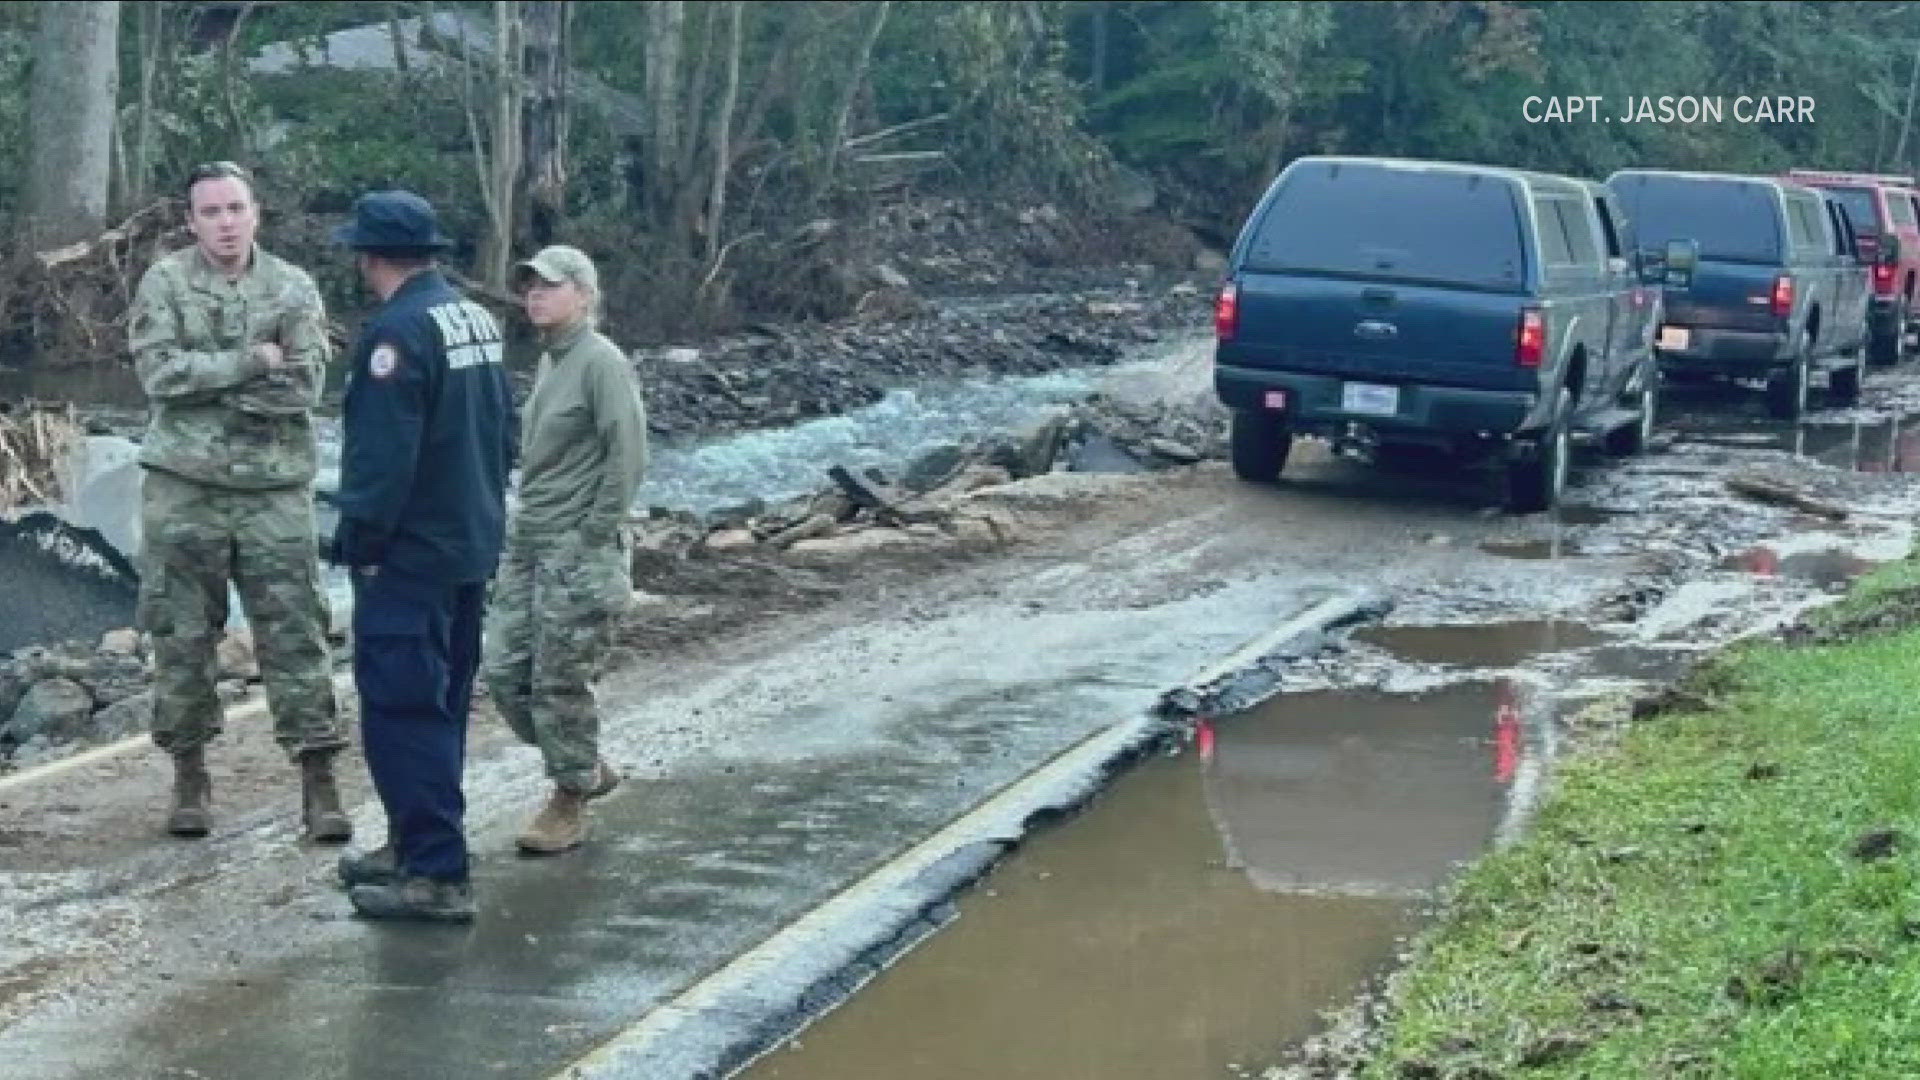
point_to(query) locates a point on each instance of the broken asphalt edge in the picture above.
(763, 997)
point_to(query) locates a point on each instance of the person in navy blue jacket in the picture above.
(429, 435)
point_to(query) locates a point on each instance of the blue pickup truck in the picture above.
(1779, 292)
(1485, 313)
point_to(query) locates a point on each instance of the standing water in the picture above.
(1202, 913)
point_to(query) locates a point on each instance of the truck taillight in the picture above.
(1226, 312)
(1530, 344)
(1882, 278)
(1782, 296)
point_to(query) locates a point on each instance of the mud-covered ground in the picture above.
(1089, 594)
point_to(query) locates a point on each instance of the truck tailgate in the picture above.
(1726, 296)
(1377, 331)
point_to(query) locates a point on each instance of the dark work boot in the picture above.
(376, 867)
(192, 792)
(320, 797)
(418, 899)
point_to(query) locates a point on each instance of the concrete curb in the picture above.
(728, 1019)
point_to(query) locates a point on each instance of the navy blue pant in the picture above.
(416, 647)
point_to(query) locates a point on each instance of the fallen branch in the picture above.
(1775, 493)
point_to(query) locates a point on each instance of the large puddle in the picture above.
(1481, 645)
(1201, 913)
(1881, 444)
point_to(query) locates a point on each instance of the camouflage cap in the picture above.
(560, 263)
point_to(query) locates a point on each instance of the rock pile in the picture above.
(76, 692)
(777, 376)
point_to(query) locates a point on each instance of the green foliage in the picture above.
(1704, 899)
(1038, 96)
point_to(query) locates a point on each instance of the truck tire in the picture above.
(1260, 444)
(1787, 390)
(1884, 350)
(1536, 483)
(1843, 385)
(1630, 439)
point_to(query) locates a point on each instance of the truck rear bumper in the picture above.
(1729, 352)
(1312, 404)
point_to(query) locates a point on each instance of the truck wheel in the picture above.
(1630, 439)
(1787, 390)
(1883, 350)
(1535, 484)
(1843, 385)
(1260, 443)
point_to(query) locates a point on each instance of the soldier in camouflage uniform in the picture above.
(230, 345)
(566, 577)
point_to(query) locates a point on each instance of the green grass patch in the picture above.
(1728, 890)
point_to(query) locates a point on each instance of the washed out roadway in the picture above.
(768, 771)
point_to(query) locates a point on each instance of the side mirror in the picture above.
(1889, 253)
(1681, 257)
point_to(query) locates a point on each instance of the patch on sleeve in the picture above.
(384, 361)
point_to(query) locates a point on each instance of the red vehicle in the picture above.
(1886, 218)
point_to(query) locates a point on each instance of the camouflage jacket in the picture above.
(218, 415)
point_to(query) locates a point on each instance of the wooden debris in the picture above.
(1760, 489)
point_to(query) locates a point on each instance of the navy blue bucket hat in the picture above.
(392, 221)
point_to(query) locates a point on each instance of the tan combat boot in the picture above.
(192, 792)
(320, 796)
(560, 826)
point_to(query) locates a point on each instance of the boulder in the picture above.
(1032, 452)
(731, 540)
(122, 642)
(101, 480)
(891, 278)
(53, 707)
(128, 716)
(933, 468)
(1174, 451)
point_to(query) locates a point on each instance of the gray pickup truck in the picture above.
(1778, 292)
(1483, 313)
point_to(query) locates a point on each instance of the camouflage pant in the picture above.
(198, 538)
(549, 625)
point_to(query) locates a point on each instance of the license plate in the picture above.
(1276, 399)
(1675, 337)
(1370, 399)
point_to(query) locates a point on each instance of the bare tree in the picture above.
(75, 72)
(849, 93)
(723, 134)
(497, 152)
(666, 21)
(543, 180)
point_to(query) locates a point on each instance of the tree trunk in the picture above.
(544, 178)
(848, 95)
(723, 134)
(75, 72)
(502, 171)
(153, 51)
(1906, 120)
(665, 22)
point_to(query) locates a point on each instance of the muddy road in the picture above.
(822, 757)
